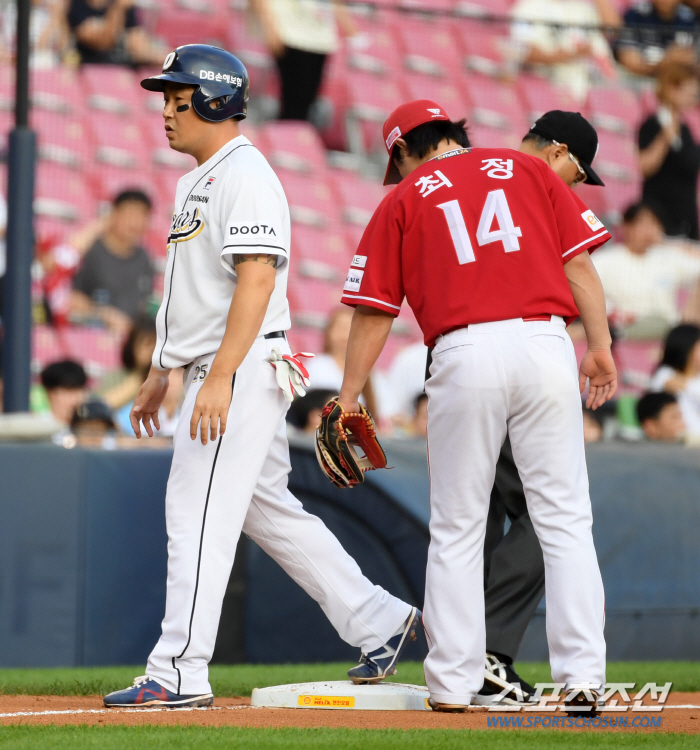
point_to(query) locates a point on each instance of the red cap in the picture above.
(401, 121)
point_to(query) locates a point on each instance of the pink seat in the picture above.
(484, 46)
(120, 141)
(112, 88)
(62, 138)
(358, 197)
(619, 194)
(595, 197)
(312, 300)
(311, 200)
(112, 180)
(539, 96)
(57, 90)
(484, 8)
(382, 53)
(429, 46)
(326, 248)
(295, 146)
(63, 194)
(46, 348)
(615, 109)
(495, 104)
(185, 26)
(481, 136)
(692, 120)
(442, 91)
(245, 42)
(304, 339)
(97, 349)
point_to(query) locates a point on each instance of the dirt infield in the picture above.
(41, 710)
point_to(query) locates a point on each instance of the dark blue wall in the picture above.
(83, 555)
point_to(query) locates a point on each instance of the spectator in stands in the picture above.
(49, 37)
(660, 417)
(644, 274)
(567, 53)
(115, 281)
(109, 32)
(669, 157)
(679, 373)
(326, 370)
(651, 28)
(168, 414)
(300, 34)
(120, 387)
(64, 383)
(93, 426)
(305, 413)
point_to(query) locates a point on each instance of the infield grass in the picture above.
(240, 679)
(176, 738)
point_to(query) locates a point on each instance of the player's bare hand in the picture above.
(211, 408)
(148, 401)
(598, 368)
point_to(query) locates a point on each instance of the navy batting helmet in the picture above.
(215, 74)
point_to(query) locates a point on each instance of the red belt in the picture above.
(537, 317)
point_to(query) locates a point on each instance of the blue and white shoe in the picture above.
(380, 664)
(146, 692)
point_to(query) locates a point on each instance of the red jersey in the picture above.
(473, 236)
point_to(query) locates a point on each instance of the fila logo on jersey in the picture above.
(210, 182)
(255, 229)
(185, 226)
(353, 280)
(592, 221)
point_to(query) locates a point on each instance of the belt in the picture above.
(276, 335)
(537, 317)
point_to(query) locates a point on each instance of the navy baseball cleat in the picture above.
(147, 692)
(380, 664)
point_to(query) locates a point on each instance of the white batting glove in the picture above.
(292, 376)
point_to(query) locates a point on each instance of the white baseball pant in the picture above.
(239, 483)
(488, 379)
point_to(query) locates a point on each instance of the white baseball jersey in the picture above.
(232, 204)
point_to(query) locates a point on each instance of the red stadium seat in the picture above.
(615, 109)
(62, 138)
(382, 55)
(295, 146)
(187, 26)
(99, 350)
(429, 46)
(111, 180)
(485, 137)
(358, 197)
(57, 90)
(327, 247)
(120, 141)
(484, 46)
(311, 200)
(495, 104)
(539, 96)
(63, 194)
(112, 88)
(442, 91)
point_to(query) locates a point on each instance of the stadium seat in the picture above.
(484, 8)
(619, 194)
(429, 46)
(295, 146)
(495, 104)
(692, 120)
(63, 194)
(382, 55)
(112, 88)
(615, 109)
(188, 26)
(311, 200)
(595, 197)
(617, 157)
(305, 339)
(484, 46)
(481, 136)
(111, 180)
(311, 300)
(57, 90)
(442, 91)
(326, 247)
(539, 96)
(62, 138)
(120, 141)
(99, 350)
(246, 44)
(358, 197)
(46, 347)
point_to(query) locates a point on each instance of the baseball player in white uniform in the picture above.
(223, 319)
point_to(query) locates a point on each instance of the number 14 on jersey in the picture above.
(496, 207)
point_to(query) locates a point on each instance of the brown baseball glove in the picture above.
(337, 438)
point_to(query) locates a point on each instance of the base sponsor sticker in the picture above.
(327, 701)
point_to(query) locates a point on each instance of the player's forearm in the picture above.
(245, 319)
(368, 334)
(652, 157)
(589, 297)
